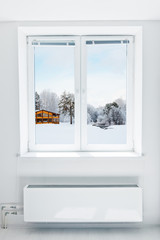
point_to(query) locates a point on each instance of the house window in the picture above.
(107, 80)
(80, 91)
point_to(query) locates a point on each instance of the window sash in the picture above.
(129, 98)
(80, 93)
(31, 96)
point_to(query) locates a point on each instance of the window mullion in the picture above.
(31, 97)
(77, 94)
(130, 93)
(83, 95)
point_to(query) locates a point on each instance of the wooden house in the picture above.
(44, 117)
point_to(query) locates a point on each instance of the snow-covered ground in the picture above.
(113, 135)
(63, 133)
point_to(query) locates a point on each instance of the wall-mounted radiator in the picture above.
(98, 204)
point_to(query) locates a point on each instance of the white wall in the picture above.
(51, 10)
(14, 173)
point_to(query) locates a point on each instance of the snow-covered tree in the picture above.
(49, 101)
(100, 113)
(111, 114)
(109, 106)
(115, 116)
(115, 113)
(122, 105)
(66, 105)
(92, 112)
(64, 118)
(89, 119)
(120, 102)
(37, 101)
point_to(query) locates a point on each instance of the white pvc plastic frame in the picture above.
(31, 96)
(80, 139)
(27, 140)
(129, 95)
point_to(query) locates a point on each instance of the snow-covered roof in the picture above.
(46, 111)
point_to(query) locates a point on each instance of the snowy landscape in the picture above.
(106, 94)
(105, 125)
(63, 133)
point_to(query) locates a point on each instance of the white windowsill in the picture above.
(79, 154)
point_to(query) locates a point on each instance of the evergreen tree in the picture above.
(66, 105)
(109, 106)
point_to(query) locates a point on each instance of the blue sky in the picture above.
(106, 71)
(106, 75)
(54, 69)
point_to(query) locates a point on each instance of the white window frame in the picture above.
(136, 32)
(129, 90)
(31, 96)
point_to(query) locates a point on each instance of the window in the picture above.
(81, 92)
(54, 91)
(106, 64)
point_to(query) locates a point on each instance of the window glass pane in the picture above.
(106, 92)
(54, 94)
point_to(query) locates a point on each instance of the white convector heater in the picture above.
(82, 204)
